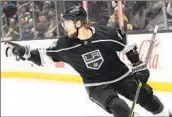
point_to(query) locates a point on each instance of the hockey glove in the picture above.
(13, 49)
(133, 57)
(142, 74)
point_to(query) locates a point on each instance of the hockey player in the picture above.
(92, 52)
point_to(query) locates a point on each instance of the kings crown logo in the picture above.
(93, 59)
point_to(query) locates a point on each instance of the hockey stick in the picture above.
(141, 68)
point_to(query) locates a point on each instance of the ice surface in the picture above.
(21, 97)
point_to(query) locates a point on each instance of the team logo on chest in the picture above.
(93, 59)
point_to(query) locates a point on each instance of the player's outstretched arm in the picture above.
(24, 53)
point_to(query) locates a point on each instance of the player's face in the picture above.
(69, 27)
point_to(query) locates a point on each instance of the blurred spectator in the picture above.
(22, 21)
(48, 5)
(98, 12)
(114, 20)
(136, 12)
(38, 18)
(155, 15)
(42, 27)
(22, 12)
(158, 19)
(27, 29)
(52, 29)
(13, 31)
(144, 15)
(51, 16)
(9, 9)
(31, 23)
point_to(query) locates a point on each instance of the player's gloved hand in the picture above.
(143, 74)
(13, 49)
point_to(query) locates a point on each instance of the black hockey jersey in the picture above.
(95, 59)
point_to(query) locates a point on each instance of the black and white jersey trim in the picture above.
(97, 41)
(109, 40)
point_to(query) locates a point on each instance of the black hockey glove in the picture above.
(133, 57)
(143, 74)
(13, 49)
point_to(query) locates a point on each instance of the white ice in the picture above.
(21, 97)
